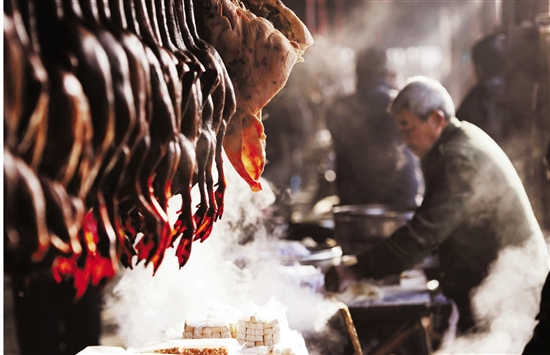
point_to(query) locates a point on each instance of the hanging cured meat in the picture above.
(259, 58)
(112, 107)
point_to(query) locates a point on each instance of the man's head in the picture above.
(422, 109)
(371, 63)
(489, 56)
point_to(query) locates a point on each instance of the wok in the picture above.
(358, 227)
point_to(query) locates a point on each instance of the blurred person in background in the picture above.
(474, 207)
(372, 164)
(540, 342)
(484, 106)
(285, 123)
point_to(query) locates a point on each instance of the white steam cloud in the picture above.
(506, 302)
(220, 271)
(508, 299)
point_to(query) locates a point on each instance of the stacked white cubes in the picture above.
(251, 332)
(206, 332)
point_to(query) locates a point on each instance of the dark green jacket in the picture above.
(474, 206)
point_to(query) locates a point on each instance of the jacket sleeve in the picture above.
(442, 211)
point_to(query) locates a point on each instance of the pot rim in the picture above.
(378, 210)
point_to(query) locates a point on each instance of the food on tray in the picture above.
(193, 347)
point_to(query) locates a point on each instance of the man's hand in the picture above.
(339, 278)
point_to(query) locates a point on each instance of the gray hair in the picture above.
(422, 96)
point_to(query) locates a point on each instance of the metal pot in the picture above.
(358, 227)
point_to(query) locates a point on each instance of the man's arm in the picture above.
(442, 211)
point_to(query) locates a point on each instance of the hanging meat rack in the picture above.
(112, 107)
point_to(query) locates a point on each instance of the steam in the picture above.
(508, 299)
(220, 271)
(506, 303)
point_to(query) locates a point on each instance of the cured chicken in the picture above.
(258, 58)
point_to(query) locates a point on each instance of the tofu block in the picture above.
(250, 331)
(259, 343)
(258, 326)
(269, 342)
(258, 338)
(216, 334)
(258, 332)
(188, 335)
(249, 337)
(268, 331)
(268, 336)
(189, 328)
(276, 328)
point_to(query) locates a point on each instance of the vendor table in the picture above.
(393, 324)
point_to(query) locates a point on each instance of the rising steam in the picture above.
(220, 271)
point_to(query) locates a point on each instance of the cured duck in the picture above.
(113, 107)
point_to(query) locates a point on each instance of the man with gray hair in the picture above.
(474, 209)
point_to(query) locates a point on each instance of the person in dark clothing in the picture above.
(540, 342)
(372, 164)
(474, 209)
(484, 106)
(283, 120)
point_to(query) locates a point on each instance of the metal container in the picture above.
(358, 227)
(323, 258)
